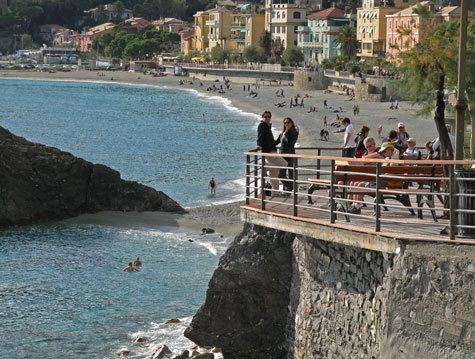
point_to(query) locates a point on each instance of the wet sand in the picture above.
(225, 218)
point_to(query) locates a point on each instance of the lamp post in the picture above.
(461, 104)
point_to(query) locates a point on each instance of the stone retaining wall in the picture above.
(310, 80)
(280, 295)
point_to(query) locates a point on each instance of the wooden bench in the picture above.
(394, 188)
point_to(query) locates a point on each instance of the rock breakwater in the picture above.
(40, 183)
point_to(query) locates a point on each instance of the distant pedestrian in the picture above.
(248, 87)
(325, 104)
(282, 93)
(244, 88)
(325, 122)
(212, 186)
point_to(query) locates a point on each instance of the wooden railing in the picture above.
(439, 188)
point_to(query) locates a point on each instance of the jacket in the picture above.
(288, 140)
(265, 138)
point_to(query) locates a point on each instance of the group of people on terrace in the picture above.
(398, 144)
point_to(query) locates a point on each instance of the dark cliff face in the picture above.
(40, 183)
(250, 285)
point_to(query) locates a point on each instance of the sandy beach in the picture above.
(225, 218)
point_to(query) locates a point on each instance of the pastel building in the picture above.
(200, 37)
(219, 24)
(170, 24)
(84, 40)
(137, 22)
(317, 38)
(371, 25)
(246, 30)
(48, 31)
(404, 31)
(283, 18)
(65, 37)
(110, 12)
(186, 40)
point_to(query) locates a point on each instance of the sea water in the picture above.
(63, 293)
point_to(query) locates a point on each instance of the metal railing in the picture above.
(434, 185)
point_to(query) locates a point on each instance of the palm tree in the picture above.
(346, 40)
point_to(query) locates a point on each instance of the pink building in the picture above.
(137, 21)
(403, 30)
(65, 37)
(171, 24)
(84, 40)
(48, 32)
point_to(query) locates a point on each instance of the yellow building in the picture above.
(200, 38)
(283, 17)
(219, 24)
(371, 25)
(246, 30)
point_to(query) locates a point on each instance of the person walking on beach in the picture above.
(325, 104)
(349, 144)
(325, 122)
(212, 185)
(267, 144)
(130, 268)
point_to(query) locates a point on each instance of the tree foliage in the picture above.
(292, 56)
(251, 54)
(265, 41)
(346, 40)
(219, 55)
(429, 71)
(126, 41)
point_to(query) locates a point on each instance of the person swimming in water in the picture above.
(137, 262)
(130, 268)
(212, 186)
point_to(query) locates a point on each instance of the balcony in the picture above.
(211, 23)
(312, 45)
(237, 38)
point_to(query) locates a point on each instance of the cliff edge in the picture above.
(39, 183)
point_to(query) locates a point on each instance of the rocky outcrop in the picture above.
(280, 295)
(247, 299)
(39, 183)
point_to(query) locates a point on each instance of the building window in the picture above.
(277, 29)
(395, 24)
(278, 14)
(248, 32)
(390, 22)
(283, 29)
(283, 14)
(273, 14)
(249, 20)
(296, 15)
(402, 23)
(295, 29)
(295, 42)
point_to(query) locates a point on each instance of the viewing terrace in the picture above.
(401, 200)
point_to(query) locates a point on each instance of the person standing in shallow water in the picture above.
(212, 186)
(137, 262)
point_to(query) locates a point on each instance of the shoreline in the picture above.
(224, 218)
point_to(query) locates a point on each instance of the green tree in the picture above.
(251, 54)
(119, 10)
(293, 56)
(219, 55)
(346, 40)
(265, 42)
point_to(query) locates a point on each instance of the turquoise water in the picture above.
(63, 293)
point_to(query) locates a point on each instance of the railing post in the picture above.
(319, 152)
(378, 197)
(248, 179)
(453, 203)
(294, 186)
(332, 191)
(255, 177)
(263, 184)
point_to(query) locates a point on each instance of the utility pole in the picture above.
(461, 104)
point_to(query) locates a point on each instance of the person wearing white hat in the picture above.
(411, 153)
(402, 137)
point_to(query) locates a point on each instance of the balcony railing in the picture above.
(210, 22)
(413, 200)
(312, 44)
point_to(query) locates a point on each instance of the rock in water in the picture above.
(245, 312)
(39, 183)
(162, 352)
(172, 321)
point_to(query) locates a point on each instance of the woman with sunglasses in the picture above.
(287, 138)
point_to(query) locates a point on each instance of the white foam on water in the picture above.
(159, 334)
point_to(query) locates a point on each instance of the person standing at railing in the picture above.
(267, 144)
(287, 138)
(349, 144)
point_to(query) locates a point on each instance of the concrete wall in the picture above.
(310, 80)
(238, 76)
(348, 302)
(375, 89)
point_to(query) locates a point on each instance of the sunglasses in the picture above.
(287, 122)
(266, 116)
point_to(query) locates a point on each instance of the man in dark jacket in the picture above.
(267, 144)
